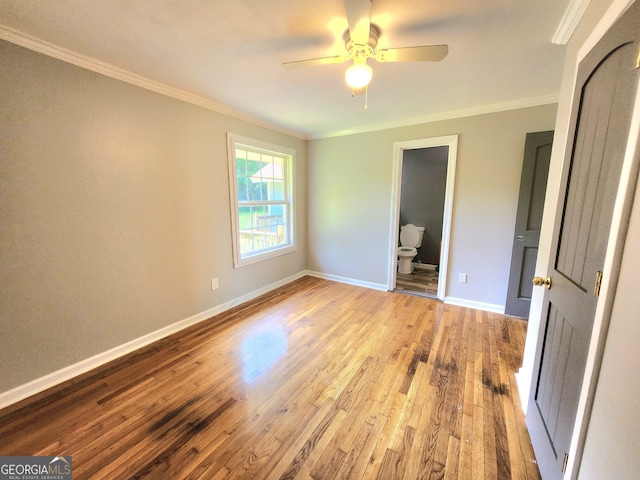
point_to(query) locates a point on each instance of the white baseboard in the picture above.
(524, 388)
(350, 281)
(424, 266)
(488, 307)
(461, 302)
(52, 379)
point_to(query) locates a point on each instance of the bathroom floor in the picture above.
(422, 282)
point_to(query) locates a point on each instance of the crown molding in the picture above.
(570, 20)
(32, 43)
(438, 117)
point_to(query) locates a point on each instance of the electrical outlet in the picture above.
(462, 278)
(214, 283)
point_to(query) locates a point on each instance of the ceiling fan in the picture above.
(360, 42)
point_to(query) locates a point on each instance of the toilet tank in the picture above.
(420, 235)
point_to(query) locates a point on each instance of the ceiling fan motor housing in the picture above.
(356, 50)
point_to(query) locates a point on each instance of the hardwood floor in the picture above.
(314, 380)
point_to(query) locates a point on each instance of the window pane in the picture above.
(262, 228)
(241, 175)
(278, 169)
(272, 178)
(266, 160)
(277, 190)
(244, 217)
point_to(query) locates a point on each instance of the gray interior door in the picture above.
(533, 186)
(603, 103)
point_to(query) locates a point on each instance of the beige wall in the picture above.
(114, 214)
(350, 182)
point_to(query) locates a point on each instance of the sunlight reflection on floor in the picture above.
(261, 349)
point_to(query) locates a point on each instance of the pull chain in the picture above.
(366, 96)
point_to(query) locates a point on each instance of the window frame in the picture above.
(238, 141)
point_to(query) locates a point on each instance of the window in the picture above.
(261, 180)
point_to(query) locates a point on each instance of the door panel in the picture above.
(606, 83)
(592, 184)
(533, 186)
(559, 340)
(528, 269)
(540, 174)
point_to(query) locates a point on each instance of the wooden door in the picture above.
(603, 104)
(533, 186)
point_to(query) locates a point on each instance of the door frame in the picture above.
(626, 191)
(450, 141)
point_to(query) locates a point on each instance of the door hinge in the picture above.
(564, 462)
(596, 290)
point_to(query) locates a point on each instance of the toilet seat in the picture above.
(409, 235)
(407, 251)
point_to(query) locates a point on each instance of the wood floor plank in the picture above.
(389, 414)
(288, 465)
(478, 456)
(314, 380)
(453, 456)
(465, 466)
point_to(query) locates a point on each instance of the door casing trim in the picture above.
(450, 141)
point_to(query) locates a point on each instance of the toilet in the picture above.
(410, 240)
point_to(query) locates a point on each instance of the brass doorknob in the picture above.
(539, 282)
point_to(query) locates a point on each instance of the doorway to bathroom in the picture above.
(422, 194)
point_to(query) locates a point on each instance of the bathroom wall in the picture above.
(424, 181)
(114, 213)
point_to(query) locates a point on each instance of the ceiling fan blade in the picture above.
(429, 53)
(316, 61)
(359, 20)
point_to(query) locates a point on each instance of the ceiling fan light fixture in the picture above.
(359, 74)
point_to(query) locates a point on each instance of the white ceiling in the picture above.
(231, 52)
